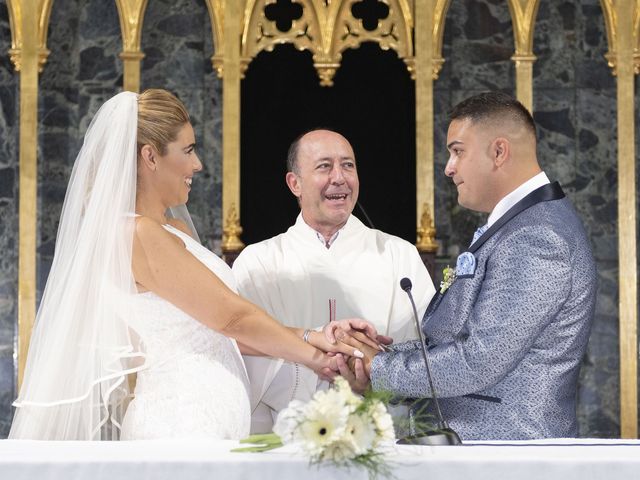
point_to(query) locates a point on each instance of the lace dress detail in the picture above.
(195, 384)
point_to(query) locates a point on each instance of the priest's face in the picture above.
(325, 181)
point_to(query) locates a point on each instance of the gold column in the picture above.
(26, 15)
(131, 70)
(216, 17)
(131, 13)
(627, 247)
(29, 23)
(424, 108)
(523, 17)
(231, 127)
(429, 20)
(622, 23)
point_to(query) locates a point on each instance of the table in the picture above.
(559, 459)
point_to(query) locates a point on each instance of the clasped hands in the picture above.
(351, 345)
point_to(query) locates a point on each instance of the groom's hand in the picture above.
(354, 340)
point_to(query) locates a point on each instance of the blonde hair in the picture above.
(160, 117)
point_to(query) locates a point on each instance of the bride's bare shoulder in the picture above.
(180, 225)
(149, 232)
(146, 226)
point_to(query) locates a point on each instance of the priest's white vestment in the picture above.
(293, 275)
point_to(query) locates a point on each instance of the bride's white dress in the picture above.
(195, 384)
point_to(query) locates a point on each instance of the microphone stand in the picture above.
(444, 435)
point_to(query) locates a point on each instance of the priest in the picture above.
(327, 266)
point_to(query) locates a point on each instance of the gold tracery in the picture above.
(326, 29)
(43, 10)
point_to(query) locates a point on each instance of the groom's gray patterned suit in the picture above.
(516, 329)
(506, 339)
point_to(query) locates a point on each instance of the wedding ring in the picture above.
(305, 335)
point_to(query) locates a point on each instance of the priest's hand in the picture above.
(361, 330)
(330, 369)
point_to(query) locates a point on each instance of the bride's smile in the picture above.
(175, 168)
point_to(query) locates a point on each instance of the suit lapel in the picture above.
(550, 191)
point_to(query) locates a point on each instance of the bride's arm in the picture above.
(338, 336)
(161, 264)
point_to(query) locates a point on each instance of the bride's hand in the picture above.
(319, 340)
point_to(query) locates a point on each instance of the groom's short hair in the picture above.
(493, 106)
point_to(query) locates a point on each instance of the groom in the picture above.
(506, 338)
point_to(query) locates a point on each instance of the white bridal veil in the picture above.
(75, 385)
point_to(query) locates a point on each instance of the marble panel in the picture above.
(63, 62)
(591, 68)
(9, 174)
(481, 37)
(7, 389)
(554, 43)
(208, 217)
(178, 43)
(554, 114)
(82, 72)
(173, 41)
(596, 169)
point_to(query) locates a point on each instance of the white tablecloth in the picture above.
(187, 460)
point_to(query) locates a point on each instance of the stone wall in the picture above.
(574, 105)
(9, 121)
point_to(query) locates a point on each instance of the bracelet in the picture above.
(305, 335)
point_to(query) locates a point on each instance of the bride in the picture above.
(130, 291)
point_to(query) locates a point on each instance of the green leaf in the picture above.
(257, 449)
(262, 443)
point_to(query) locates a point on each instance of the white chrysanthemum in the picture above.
(360, 433)
(288, 421)
(323, 421)
(339, 452)
(318, 432)
(348, 397)
(332, 400)
(383, 422)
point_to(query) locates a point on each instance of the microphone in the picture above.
(369, 222)
(444, 435)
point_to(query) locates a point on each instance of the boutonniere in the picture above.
(448, 277)
(466, 265)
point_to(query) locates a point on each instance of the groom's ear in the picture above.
(148, 158)
(500, 151)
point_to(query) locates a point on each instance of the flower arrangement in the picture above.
(335, 426)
